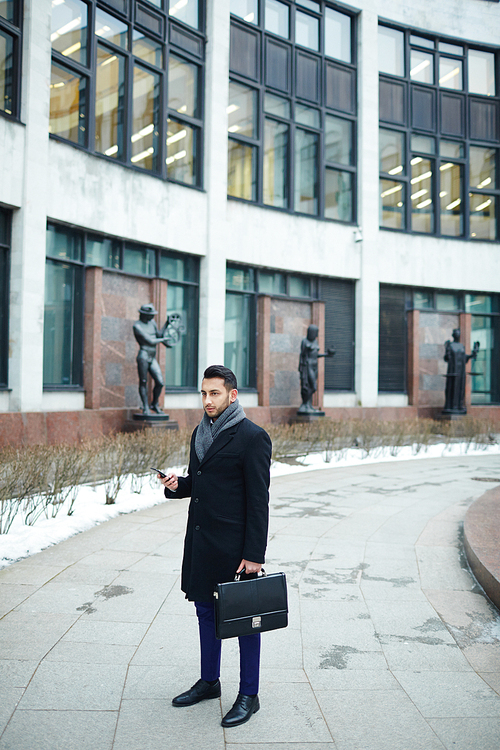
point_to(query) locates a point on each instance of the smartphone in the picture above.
(161, 473)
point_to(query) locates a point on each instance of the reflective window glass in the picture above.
(182, 86)
(421, 66)
(69, 29)
(178, 269)
(451, 149)
(451, 199)
(109, 104)
(392, 204)
(139, 260)
(181, 360)
(481, 303)
(420, 41)
(423, 300)
(238, 337)
(186, 11)
(451, 49)
(481, 72)
(240, 278)
(62, 324)
(307, 116)
(306, 172)
(242, 110)
(391, 147)
(6, 73)
(277, 18)
(181, 152)
(338, 195)
(272, 282)
(391, 58)
(306, 30)
(338, 140)
(4, 227)
(64, 243)
(145, 115)
(241, 170)
(483, 225)
(111, 29)
(102, 251)
(423, 144)
(448, 301)
(7, 8)
(68, 105)
(450, 73)
(248, 10)
(275, 163)
(422, 214)
(482, 167)
(299, 286)
(149, 50)
(337, 35)
(309, 4)
(276, 105)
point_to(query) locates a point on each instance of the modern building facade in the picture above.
(256, 166)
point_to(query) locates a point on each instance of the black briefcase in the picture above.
(254, 605)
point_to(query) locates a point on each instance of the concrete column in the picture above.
(465, 339)
(213, 266)
(263, 348)
(159, 288)
(367, 288)
(413, 371)
(318, 319)
(92, 338)
(29, 223)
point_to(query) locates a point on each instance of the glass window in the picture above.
(423, 300)
(391, 146)
(483, 225)
(109, 104)
(486, 384)
(338, 195)
(69, 29)
(338, 140)
(240, 278)
(392, 204)
(423, 144)
(68, 105)
(299, 286)
(337, 35)
(451, 199)
(451, 149)
(240, 337)
(307, 116)
(309, 4)
(102, 251)
(175, 268)
(448, 301)
(4, 295)
(277, 18)
(420, 41)
(183, 86)
(145, 119)
(147, 49)
(421, 67)
(481, 303)
(4, 227)
(422, 214)
(6, 73)
(181, 360)
(306, 30)
(451, 49)
(242, 110)
(7, 8)
(186, 11)
(272, 282)
(306, 171)
(241, 170)
(139, 260)
(111, 29)
(246, 9)
(62, 326)
(481, 71)
(64, 243)
(181, 152)
(482, 167)
(391, 58)
(450, 73)
(275, 163)
(276, 105)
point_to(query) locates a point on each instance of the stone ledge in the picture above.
(482, 542)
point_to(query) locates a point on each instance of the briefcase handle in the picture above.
(261, 574)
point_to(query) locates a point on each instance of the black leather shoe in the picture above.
(243, 709)
(201, 691)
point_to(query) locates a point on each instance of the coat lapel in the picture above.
(220, 441)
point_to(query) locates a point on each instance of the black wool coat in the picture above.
(229, 508)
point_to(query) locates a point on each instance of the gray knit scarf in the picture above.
(207, 432)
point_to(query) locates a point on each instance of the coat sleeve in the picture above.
(256, 465)
(185, 483)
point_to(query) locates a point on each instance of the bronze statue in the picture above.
(456, 358)
(148, 337)
(308, 369)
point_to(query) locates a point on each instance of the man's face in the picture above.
(216, 397)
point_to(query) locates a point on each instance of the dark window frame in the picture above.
(260, 85)
(5, 259)
(171, 27)
(14, 29)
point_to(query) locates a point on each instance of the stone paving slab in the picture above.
(391, 644)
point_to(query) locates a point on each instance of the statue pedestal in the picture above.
(451, 416)
(157, 422)
(307, 417)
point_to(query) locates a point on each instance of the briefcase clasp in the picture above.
(256, 622)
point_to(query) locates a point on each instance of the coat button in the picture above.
(197, 528)
(199, 473)
(197, 499)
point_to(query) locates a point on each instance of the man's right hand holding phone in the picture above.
(169, 481)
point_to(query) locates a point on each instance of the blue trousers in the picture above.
(210, 648)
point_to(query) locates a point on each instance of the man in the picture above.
(228, 482)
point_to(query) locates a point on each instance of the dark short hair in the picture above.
(227, 375)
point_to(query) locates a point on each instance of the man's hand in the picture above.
(250, 567)
(170, 481)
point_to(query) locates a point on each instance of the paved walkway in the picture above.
(391, 646)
